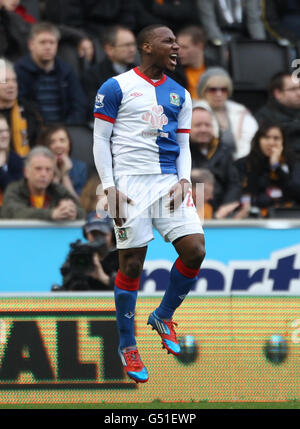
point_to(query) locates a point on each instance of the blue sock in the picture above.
(126, 291)
(182, 279)
(125, 301)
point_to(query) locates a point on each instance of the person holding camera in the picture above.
(91, 265)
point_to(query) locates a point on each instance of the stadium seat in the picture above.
(99, 51)
(82, 145)
(68, 53)
(217, 53)
(284, 213)
(252, 63)
(252, 99)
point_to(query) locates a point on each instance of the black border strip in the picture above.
(55, 313)
(67, 386)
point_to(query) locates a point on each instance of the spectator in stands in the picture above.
(209, 152)
(48, 81)
(283, 107)
(78, 48)
(120, 48)
(36, 196)
(11, 165)
(70, 172)
(91, 16)
(175, 14)
(14, 32)
(193, 60)
(203, 196)
(23, 118)
(270, 174)
(86, 53)
(224, 20)
(282, 20)
(20, 9)
(235, 122)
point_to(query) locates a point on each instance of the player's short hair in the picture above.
(44, 27)
(39, 151)
(195, 32)
(145, 35)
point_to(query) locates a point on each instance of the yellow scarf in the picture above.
(19, 131)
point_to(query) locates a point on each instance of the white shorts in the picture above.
(150, 195)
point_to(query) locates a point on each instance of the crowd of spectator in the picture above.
(55, 55)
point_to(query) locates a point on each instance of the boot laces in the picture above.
(171, 325)
(133, 359)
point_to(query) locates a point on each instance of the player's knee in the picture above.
(133, 268)
(196, 254)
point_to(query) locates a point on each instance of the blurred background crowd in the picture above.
(237, 58)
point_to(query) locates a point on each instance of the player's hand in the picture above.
(117, 205)
(177, 194)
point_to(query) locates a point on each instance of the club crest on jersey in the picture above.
(122, 234)
(99, 101)
(174, 99)
(156, 117)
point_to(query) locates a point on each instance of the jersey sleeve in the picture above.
(108, 100)
(185, 115)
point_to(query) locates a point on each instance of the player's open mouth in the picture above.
(173, 58)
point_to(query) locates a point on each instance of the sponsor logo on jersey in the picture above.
(99, 101)
(174, 99)
(156, 117)
(155, 134)
(136, 94)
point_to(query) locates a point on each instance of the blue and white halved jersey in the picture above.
(147, 116)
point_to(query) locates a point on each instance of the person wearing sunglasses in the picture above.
(236, 124)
